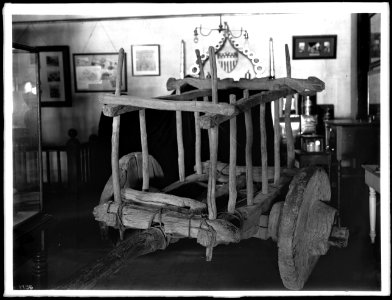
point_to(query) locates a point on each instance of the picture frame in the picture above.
(145, 60)
(55, 78)
(97, 72)
(314, 47)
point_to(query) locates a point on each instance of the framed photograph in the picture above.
(314, 47)
(145, 60)
(55, 76)
(97, 72)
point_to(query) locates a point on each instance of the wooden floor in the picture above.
(72, 241)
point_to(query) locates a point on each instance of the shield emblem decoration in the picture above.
(228, 60)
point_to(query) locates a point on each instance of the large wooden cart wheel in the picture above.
(305, 226)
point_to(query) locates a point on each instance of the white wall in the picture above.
(110, 35)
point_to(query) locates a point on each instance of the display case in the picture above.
(26, 135)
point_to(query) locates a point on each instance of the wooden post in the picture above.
(263, 148)
(213, 141)
(116, 134)
(197, 144)
(233, 162)
(248, 153)
(180, 143)
(199, 169)
(276, 141)
(143, 138)
(287, 109)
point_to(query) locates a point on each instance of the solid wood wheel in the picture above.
(305, 226)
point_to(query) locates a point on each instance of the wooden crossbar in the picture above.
(308, 86)
(210, 120)
(159, 104)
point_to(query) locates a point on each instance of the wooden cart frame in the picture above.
(302, 225)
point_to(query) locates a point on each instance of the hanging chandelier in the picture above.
(228, 33)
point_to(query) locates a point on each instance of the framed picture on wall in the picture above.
(314, 47)
(55, 76)
(145, 60)
(97, 72)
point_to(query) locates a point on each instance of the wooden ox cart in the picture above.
(302, 224)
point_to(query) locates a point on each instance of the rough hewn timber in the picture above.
(180, 143)
(287, 121)
(191, 95)
(262, 204)
(161, 199)
(276, 141)
(302, 86)
(159, 104)
(233, 162)
(248, 153)
(305, 226)
(116, 133)
(263, 150)
(144, 143)
(112, 110)
(179, 223)
(210, 120)
(223, 169)
(137, 244)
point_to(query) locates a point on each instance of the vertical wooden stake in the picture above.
(180, 141)
(263, 148)
(197, 124)
(276, 141)
(199, 168)
(287, 121)
(214, 132)
(116, 134)
(248, 153)
(180, 144)
(143, 137)
(233, 162)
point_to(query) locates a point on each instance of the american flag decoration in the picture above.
(228, 60)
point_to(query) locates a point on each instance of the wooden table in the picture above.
(372, 179)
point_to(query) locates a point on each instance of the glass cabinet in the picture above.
(26, 134)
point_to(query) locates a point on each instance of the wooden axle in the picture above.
(269, 226)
